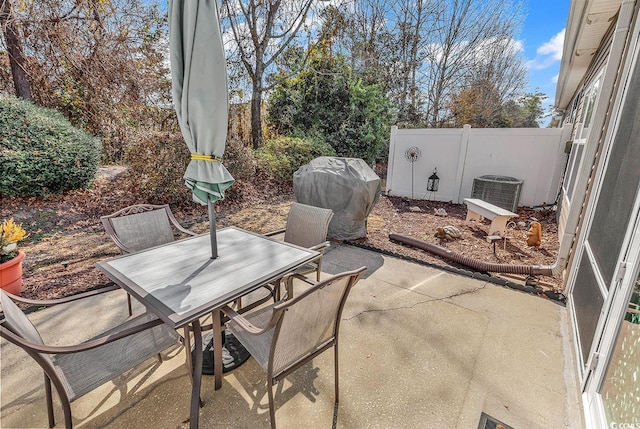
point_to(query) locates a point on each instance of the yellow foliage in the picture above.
(11, 232)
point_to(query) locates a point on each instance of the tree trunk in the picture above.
(256, 114)
(14, 47)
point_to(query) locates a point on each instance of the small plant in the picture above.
(10, 234)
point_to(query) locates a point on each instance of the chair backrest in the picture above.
(310, 321)
(16, 322)
(307, 226)
(139, 227)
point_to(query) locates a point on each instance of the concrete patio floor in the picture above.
(419, 348)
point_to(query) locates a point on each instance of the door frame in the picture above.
(592, 373)
(620, 294)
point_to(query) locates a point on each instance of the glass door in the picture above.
(620, 390)
(612, 392)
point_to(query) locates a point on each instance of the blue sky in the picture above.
(542, 37)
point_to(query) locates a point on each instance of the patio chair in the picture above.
(78, 369)
(140, 227)
(284, 336)
(307, 226)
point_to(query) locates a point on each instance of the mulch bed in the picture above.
(66, 236)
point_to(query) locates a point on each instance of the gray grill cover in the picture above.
(348, 186)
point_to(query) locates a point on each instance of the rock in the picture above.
(440, 212)
(448, 232)
(415, 209)
(522, 224)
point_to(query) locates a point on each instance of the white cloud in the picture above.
(548, 53)
(555, 79)
(553, 47)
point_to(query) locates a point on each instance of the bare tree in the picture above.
(499, 61)
(262, 30)
(14, 48)
(100, 63)
(463, 27)
(425, 51)
(414, 20)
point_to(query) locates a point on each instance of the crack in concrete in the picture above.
(405, 307)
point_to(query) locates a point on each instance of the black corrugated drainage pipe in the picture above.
(531, 270)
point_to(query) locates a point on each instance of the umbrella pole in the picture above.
(212, 230)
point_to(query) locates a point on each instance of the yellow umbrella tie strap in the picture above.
(199, 157)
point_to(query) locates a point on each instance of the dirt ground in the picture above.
(67, 239)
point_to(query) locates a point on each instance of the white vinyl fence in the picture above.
(534, 155)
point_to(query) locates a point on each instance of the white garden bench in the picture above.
(478, 209)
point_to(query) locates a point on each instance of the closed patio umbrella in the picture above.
(199, 84)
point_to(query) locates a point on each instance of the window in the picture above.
(585, 113)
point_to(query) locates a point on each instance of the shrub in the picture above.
(41, 152)
(282, 156)
(158, 161)
(239, 159)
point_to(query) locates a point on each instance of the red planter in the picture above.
(11, 274)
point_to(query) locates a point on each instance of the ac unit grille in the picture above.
(501, 191)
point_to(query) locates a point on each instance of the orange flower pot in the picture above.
(11, 274)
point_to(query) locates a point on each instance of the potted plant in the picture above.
(10, 257)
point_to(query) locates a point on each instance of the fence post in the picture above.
(462, 160)
(391, 158)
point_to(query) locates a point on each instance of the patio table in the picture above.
(179, 282)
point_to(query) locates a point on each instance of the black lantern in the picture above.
(433, 182)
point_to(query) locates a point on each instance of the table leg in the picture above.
(217, 348)
(197, 376)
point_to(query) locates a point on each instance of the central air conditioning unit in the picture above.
(501, 191)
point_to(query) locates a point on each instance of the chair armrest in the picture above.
(289, 278)
(184, 230)
(321, 247)
(71, 298)
(244, 323)
(175, 222)
(92, 344)
(120, 244)
(288, 282)
(276, 232)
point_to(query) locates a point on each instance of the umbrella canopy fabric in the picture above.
(199, 83)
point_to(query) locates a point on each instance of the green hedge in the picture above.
(282, 156)
(41, 152)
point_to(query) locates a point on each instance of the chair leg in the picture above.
(319, 269)
(129, 305)
(47, 389)
(276, 290)
(335, 365)
(64, 401)
(272, 410)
